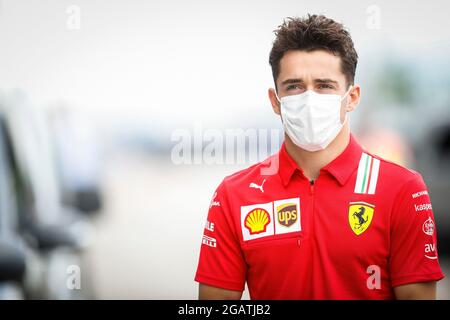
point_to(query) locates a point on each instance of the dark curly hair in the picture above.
(314, 32)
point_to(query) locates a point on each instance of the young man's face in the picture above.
(317, 70)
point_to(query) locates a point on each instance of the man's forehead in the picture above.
(314, 57)
(308, 66)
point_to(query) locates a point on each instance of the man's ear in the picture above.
(353, 98)
(274, 101)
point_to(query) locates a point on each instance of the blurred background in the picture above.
(97, 98)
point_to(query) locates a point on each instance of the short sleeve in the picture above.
(221, 262)
(413, 240)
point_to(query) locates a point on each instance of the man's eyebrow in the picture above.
(291, 81)
(295, 81)
(326, 80)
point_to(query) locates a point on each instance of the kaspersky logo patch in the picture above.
(287, 215)
(257, 221)
(360, 216)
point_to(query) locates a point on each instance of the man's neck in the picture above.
(312, 162)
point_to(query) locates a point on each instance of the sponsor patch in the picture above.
(420, 193)
(360, 215)
(287, 215)
(257, 221)
(213, 202)
(430, 251)
(423, 207)
(209, 241)
(209, 226)
(257, 186)
(428, 227)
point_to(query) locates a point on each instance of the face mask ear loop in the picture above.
(279, 101)
(348, 91)
(278, 98)
(345, 95)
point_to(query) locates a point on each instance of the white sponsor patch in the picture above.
(209, 226)
(209, 241)
(430, 251)
(420, 193)
(430, 247)
(214, 203)
(287, 215)
(257, 186)
(257, 221)
(428, 227)
(423, 207)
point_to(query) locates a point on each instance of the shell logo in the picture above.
(257, 220)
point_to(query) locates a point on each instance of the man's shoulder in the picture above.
(395, 173)
(266, 169)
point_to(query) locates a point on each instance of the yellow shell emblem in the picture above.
(257, 220)
(360, 216)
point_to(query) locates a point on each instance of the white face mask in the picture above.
(312, 120)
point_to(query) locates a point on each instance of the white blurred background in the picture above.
(114, 80)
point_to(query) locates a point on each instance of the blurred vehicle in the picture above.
(12, 255)
(55, 235)
(77, 157)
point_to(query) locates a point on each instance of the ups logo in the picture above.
(287, 214)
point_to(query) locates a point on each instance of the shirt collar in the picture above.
(341, 168)
(287, 165)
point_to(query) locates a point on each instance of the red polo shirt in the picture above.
(364, 226)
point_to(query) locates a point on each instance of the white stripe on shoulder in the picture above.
(361, 171)
(374, 176)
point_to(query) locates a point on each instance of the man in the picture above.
(331, 221)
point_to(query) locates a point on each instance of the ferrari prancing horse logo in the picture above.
(360, 216)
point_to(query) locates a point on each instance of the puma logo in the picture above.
(256, 186)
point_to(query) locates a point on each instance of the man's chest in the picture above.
(322, 218)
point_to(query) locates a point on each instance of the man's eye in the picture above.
(325, 86)
(293, 87)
